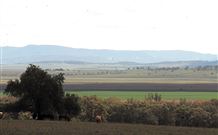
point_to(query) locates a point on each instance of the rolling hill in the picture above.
(48, 53)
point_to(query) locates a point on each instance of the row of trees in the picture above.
(198, 68)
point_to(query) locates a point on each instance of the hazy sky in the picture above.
(112, 24)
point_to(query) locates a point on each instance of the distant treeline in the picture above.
(150, 68)
(175, 68)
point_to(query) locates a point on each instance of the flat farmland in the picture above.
(150, 87)
(142, 95)
(117, 77)
(139, 91)
(27, 127)
(124, 82)
(155, 87)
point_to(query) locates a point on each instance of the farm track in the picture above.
(22, 127)
(153, 87)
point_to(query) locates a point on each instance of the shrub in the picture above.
(71, 105)
(153, 97)
(25, 116)
(165, 113)
(199, 118)
(148, 117)
(10, 116)
(132, 112)
(183, 113)
(92, 106)
(214, 120)
(117, 113)
(214, 102)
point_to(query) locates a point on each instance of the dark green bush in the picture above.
(165, 114)
(147, 117)
(214, 120)
(71, 105)
(183, 114)
(199, 118)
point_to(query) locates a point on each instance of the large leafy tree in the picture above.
(41, 92)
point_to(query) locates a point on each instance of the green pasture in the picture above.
(141, 95)
(1, 94)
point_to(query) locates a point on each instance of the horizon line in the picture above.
(106, 48)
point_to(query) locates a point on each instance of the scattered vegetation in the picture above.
(196, 113)
(155, 112)
(154, 96)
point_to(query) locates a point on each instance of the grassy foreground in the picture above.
(19, 127)
(142, 95)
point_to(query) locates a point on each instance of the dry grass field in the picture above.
(117, 73)
(30, 127)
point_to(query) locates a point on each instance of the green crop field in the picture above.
(142, 95)
(1, 94)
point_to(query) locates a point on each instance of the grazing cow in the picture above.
(1, 115)
(98, 119)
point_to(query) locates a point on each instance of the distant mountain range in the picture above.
(51, 53)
